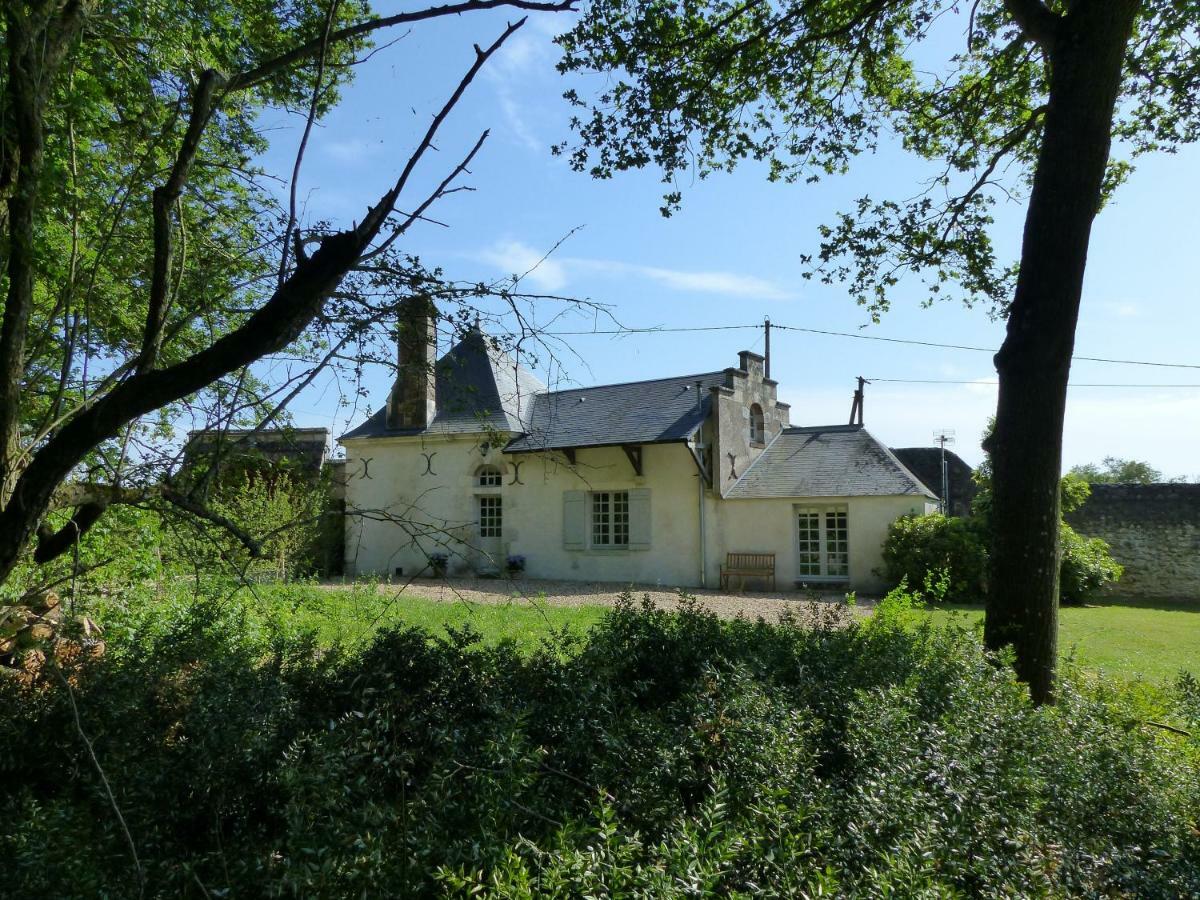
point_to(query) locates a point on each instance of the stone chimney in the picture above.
(752, 364)
(413, 402)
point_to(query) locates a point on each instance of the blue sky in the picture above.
(732, 257)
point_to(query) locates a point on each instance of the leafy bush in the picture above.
(667, 755)
(956, 549)
(1087, 566)
(918, 545)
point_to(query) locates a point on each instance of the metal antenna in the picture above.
(944, 436)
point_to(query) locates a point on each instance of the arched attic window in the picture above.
(488, 476)
(758, 428)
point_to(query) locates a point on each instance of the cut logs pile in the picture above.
(28, 630)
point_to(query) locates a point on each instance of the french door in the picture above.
(822, 542)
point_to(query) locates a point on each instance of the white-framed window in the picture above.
(758, 425)
(822, 542)
(491, 516)
(610, 518)
(607, 521)
(489, 476)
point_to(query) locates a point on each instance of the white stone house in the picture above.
(655, 482)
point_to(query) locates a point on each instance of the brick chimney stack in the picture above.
(413, 402)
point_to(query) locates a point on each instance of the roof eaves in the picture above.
(559, 447)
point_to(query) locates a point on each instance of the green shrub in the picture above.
(1087, 566)
(956, 551)
(918, 545)
(669, 754)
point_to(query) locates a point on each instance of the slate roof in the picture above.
(639, 412)
(479, 387)
(926, 464)
(826, 461)
(303, 447)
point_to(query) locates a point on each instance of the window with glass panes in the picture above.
(610, 519)
(491, 516)
(489, 476)
(822, 542)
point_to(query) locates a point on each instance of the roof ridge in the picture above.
(596, 387)
(798, 429)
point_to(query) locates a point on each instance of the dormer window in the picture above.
(758, 428)
(489, 476)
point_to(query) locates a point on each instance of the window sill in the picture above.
(608, 551)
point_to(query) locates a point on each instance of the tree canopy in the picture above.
(1006, 99)
(1114, 470)
(700, 86)
(146, 259)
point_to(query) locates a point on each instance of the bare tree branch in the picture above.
(270, 328)
(308, 125)
(165, 198)
(265, 70)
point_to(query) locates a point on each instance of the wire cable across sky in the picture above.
(983, 383)
(872, 337)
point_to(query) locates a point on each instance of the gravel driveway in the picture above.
(750, 604)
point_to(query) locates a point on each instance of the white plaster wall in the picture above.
(768, 526)
(671, 476)
(431, 512)
(439, 513)
(439, 510)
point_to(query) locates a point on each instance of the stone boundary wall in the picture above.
(1154, 532)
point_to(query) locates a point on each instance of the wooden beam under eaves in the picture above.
(701, 466)
(634, 453)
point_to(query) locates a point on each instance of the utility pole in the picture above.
(944, 436)
(767, 351)
(856, 408)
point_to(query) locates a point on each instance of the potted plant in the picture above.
(515, 564)
(438, 563)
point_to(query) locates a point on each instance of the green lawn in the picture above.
(1124, 639)
(351, 614)
(1129, 639)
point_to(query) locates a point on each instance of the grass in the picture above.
(1124, 639)
(1128, 639)
(350, 615)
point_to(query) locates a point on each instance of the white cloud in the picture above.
(729, 284)
(519, 55)
(517, 125)
(512, 257)
(515, 258)
(352, 151)
(983, 387)
(1122, 310)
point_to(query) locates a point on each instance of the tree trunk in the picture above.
(1086, 55)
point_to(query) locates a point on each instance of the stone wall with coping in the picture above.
(1154, 532)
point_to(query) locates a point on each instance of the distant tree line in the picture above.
(1115, 470)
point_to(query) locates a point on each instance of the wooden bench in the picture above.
(744, 565)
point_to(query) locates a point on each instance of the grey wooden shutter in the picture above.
(574, 520)
(639, 519)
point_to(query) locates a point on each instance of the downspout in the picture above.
(700, 489)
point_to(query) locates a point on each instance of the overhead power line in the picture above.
(858, 337)
(995, 383)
